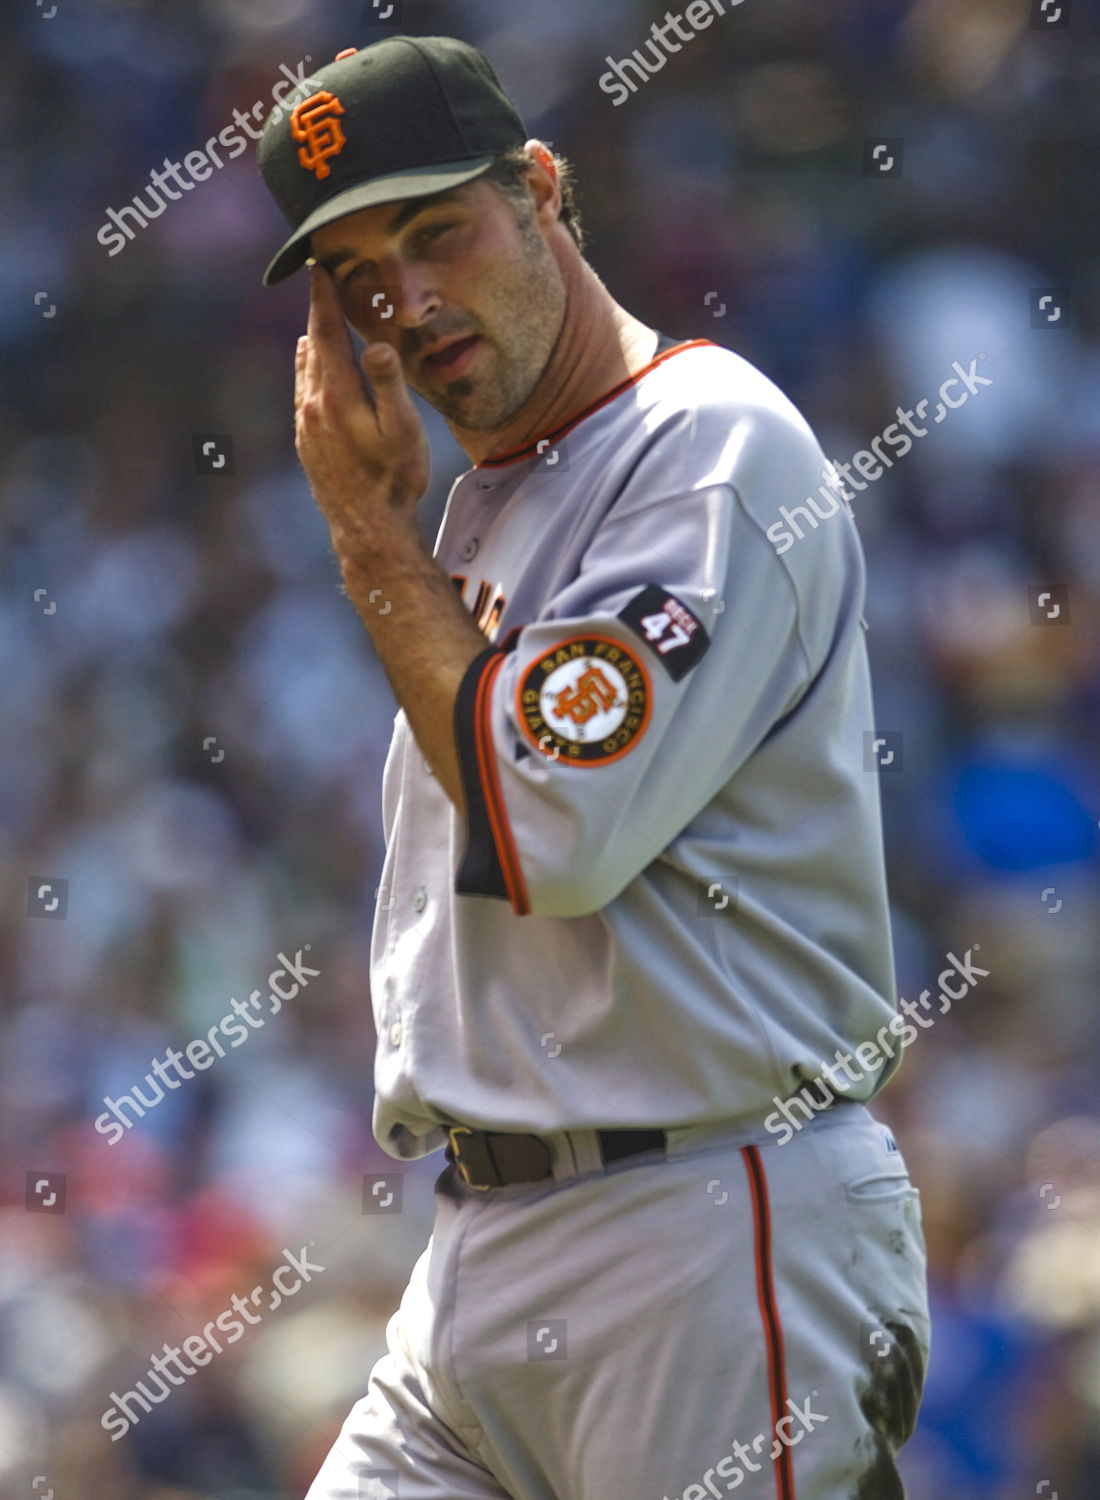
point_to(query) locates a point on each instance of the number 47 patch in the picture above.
(667, 625)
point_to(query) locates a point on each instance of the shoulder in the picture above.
(700, 375)
(723, 421)
(716, 421)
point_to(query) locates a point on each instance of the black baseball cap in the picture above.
(402, 118)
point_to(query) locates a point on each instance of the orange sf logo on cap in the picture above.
(315, 122)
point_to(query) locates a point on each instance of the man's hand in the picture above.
(360, 440)
(364, 449)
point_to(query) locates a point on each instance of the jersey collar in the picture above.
(666, 348)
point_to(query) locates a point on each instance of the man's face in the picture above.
(458, 266)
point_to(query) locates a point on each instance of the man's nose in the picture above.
(409, 299)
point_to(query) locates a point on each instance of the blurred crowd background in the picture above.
(193, 722)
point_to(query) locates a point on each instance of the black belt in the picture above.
(493, 1158)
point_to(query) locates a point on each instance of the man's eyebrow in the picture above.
(404, 215)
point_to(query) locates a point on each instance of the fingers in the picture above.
(326, 365)
(330, 357)
(315, 325)
(381, 365)
(325, 315)
(300, 353)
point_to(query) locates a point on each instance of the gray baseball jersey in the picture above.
(667, 902)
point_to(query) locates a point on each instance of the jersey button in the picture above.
(396, 1034)
(469, 552)
(420, 899)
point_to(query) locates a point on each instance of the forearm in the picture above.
(424, 636)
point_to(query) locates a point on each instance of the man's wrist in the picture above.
(364, 551)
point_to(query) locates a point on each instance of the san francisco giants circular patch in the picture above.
(586, 702)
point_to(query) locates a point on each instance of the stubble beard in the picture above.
(526, 310)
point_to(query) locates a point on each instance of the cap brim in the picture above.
(417, 182)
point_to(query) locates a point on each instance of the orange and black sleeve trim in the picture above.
(490, 864)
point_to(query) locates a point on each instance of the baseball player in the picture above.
(633, 903)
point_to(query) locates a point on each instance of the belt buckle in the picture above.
(463, 1171)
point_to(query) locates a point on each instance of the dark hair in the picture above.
(509, 173)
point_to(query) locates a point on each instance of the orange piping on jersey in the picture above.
(571, 422)
(490, 785)
(769, 1313)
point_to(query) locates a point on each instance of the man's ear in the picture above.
(546, 187)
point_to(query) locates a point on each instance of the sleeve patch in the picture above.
(667, 625)
(586, 702)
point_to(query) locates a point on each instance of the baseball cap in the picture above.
(402, 118)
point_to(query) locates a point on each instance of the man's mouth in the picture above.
(453, 359)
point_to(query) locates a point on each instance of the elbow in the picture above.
(579, 889)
